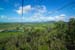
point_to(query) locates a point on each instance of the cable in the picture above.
(71, 3)
(22, 7)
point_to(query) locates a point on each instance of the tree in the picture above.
(71, 34)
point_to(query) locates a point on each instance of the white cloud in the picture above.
(41, 9)
(25, 9)
(42, 18)
(39, 14)
(28, 8)
(62, 15)
(35, 18)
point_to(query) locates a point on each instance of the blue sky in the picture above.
(36, 10)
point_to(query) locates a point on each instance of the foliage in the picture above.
(40, 36)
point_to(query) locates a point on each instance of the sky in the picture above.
(36, 10)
